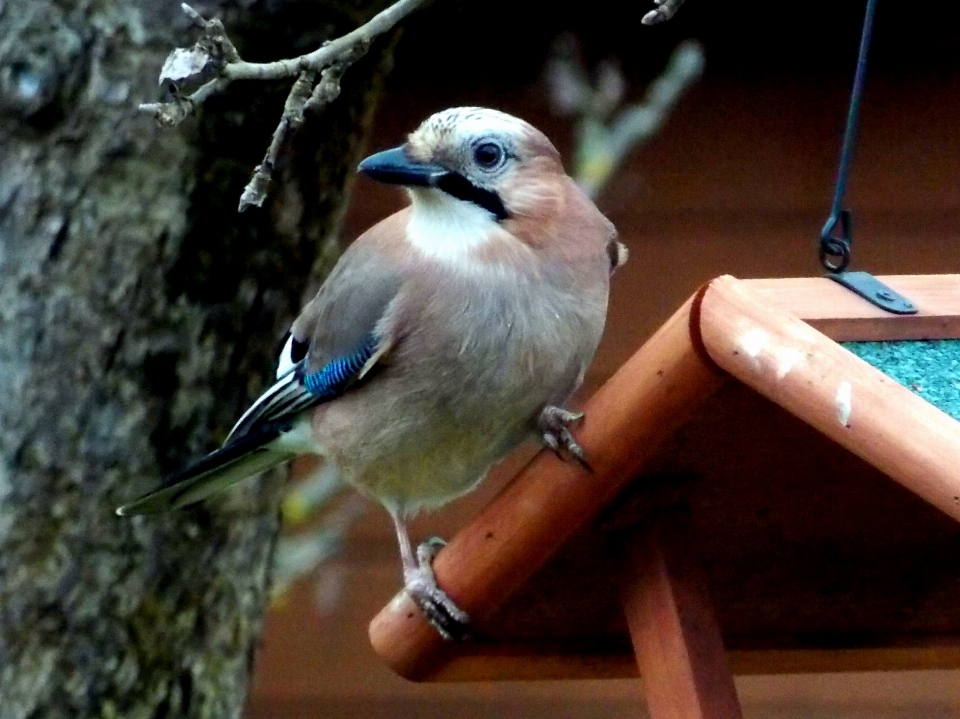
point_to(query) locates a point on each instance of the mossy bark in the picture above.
(139, 314)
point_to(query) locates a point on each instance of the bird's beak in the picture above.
(395, 168)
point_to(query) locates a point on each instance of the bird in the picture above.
(444, 336)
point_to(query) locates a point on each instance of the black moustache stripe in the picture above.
(460, 187)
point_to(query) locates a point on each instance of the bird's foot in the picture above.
(451, 622)
(554, 426)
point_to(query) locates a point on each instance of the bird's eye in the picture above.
(488, 155)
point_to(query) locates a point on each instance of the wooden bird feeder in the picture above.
(763, 501)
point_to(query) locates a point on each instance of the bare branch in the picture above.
(215, 38)
(665, 10)
(602, 143)
(256, 190)
(173, 113)
(567, 83)
(218, 49)
(300, 99)
(610, 87)
(215, 53)
(196, 17)
(326, 91)
(330, 52)
(643, 121)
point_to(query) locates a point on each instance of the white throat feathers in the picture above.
(446, 228)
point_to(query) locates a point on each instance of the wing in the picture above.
(250, 454)
(338, 338)
(299, 390)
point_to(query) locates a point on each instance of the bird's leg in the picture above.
(447, 618)
(553, 424)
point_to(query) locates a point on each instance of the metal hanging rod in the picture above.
(835, 248)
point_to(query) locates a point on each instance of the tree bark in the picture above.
(139, 314)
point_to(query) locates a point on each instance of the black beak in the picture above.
(395, 168)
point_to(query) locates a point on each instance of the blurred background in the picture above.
(140, 313)
(737, 179)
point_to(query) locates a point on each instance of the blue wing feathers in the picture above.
(298, 390)
(336, 375)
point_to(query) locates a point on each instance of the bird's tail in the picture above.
(241, 458)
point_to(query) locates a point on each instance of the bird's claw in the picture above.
(554, 427)
(451, 622)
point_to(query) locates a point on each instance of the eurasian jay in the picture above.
(445, 335)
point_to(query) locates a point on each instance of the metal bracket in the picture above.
(874, 291)
(835, 250)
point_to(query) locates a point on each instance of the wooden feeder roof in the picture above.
(779, 444)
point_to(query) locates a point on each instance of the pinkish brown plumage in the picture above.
(445, 335)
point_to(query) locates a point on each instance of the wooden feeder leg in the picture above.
(675, 635)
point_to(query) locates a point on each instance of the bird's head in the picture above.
(487, 159)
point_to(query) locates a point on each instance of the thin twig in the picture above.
(300, 99)
(173, 113)
(224, 56)
(606, 134)
(256, 190)
(642, 121)
(665, 10)
(194, 16)
(328, 53)
(215, 52)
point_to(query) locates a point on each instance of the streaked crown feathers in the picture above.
(448, 134)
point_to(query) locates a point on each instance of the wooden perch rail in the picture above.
(641, 405)
(843, 316)
(766, 343)
(834, 391)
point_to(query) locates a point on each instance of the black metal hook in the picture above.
(836, 247)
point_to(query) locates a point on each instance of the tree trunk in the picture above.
(139, 314)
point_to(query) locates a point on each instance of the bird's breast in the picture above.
(478, 358)
(509, 338)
